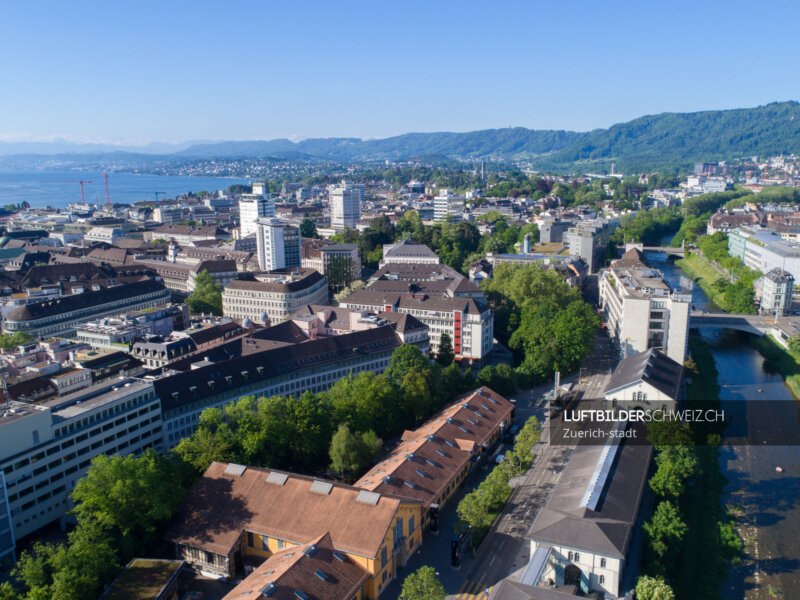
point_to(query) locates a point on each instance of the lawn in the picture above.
(705, 276)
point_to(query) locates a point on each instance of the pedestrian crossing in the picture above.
(472, 590)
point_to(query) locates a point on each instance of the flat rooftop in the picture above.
(87, 399)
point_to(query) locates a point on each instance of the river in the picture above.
(770, 500)
(58, 189)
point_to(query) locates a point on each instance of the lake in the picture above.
(47, 188)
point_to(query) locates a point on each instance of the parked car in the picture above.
(499, 458)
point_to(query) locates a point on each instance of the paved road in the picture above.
(505, 549)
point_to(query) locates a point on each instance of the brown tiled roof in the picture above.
(632, 258)
(406, 301)
(431, 456)
(298, 568)
(415, 272)
(221, 506)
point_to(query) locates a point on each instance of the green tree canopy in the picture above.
(207, 295)
(653, 588)
(350, 452)
(446, 354)
(130, 496)
(422, 585)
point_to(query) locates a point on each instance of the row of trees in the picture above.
(541, 318)
(740, 294)
(647, 226)
(479, 508)
(339, 426)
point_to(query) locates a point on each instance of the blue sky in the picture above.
(172, 71)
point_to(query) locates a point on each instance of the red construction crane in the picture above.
(81, 181)
(108, 198)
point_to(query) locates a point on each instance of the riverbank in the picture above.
(710, 544)
(704, 275)
(780, 360)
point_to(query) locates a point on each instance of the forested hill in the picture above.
(655, 142)
(490, 143)
(651, 142)
(678, 139)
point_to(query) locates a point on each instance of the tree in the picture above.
(405, 358)
(422, 585)
(308, 229)
(347, 291)
(653, 588)
(350, 452)
(665, 530)
(130, 496)
(12, 340)
(446, 355)
(676, 464)
(365, 401)
(207, 295)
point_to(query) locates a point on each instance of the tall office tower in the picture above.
(448, 206)
(278, 244)
(345, 204)
(254, 206)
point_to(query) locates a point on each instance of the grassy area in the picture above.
(709, 545)
(782, 361)
(704, 275)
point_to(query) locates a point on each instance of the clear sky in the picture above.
(172, 71)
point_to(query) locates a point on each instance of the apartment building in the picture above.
(468, 322)
(278, 244)
(276, 294)
(774, 292)
(188, 234)
(46, 447)
(640, 309)
(253, 207)
(588, 239)
(345, 201)
(63, 316)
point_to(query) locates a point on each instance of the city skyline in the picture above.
(180, 72)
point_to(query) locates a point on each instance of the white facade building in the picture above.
(45, 448)
(641, 311)
(253, 207)
(278, 244)
(278, 294)
(448, 206)
(345, 201)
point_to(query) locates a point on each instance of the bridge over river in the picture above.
(782, 328)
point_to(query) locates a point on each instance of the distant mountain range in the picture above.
(666, 140)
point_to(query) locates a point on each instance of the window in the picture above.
(602, 579)
(602, 563)
(265, 543)
(250, 539)
(570, 555)
(384, 557)
(577, 557)
(280, 544)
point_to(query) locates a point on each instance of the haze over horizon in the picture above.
(178, 72)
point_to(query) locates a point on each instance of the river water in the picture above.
(770, 500)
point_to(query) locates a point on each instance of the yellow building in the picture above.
(237, 516)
